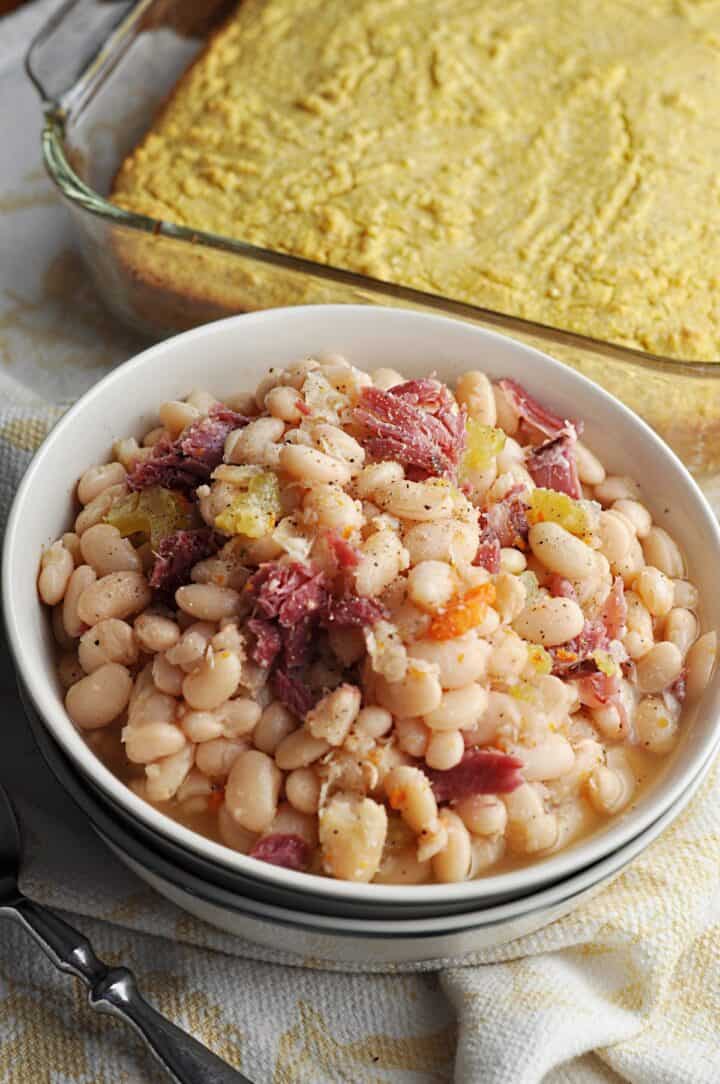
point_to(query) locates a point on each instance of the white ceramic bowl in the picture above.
(233, 354)
(357, 943)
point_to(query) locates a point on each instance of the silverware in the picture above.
(111, 989)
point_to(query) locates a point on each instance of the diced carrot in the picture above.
(216, 799)
(462, 614)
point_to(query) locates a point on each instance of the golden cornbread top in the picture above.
(558, 161)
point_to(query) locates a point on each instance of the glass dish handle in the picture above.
(68, 45)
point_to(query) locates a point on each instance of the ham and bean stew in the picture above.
(375, 628)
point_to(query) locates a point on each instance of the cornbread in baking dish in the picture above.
(559, 162)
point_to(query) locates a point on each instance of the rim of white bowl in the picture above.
(525, 879)
(349, 926)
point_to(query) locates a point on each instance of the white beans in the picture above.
(459, 661)
(452, 864)
(615, 537)
(659, 668)
(215, 758)
(636, 514)
(328, 505)
(155, 632)
(420, 501)
(99, 507)
(152, 741)
(190, 649)
(377, 476)
(201, 726)
(97, 479)
(239, 716)
(252, 790)
(530, 828)
(104, 549)
(337, 443)
(334, 714)
(256, 443)
(662, 551)
(561, 551)
(444, 749)
(383, 556)
(681, 629)
(590, 470)
(655, 727)
(686, 594)
(656, 591)
(282, 402)
(352, 835)
(548, 759)
(412, 736)
(167, 678)
(389, 552)
(119, 594)
(310, 465)
(611, 787)
(638, 638)
(482, 814)
(108, 641)
(214, 681)
(207, 602)
(550, 621)
(82, 578)
(176, 415)
(166, 776)
(97, 699)
(442, 540)
(700, 664)
(302, 788)
(373, 722)
(431, 585)
(299, 750)
(418, 693)
(409, 791)
(617, 488)
(474, 391)
(56, 568)
(459, 709)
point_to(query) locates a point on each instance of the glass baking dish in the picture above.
(103, 68)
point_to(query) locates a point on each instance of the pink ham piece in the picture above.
(488, 555)
(189, 461)
(346, 555)
(559, 587)
(176, 556)
(614, 611)
(597, 690)
(292, 691)
(282, 849)
(288, 592)
(503, 523)
(479, 772)
(530, 411)
(575, 654)
(352, 611)
(396, 427)
(268, 641)
(552, 466)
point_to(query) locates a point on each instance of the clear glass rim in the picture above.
(80, 194)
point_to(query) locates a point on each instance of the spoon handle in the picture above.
(113, 990)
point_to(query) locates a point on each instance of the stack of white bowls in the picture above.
(300, 914)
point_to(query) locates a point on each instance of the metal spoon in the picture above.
(112, 989)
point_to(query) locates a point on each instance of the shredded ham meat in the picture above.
(553, 466)
(282, 849)
(176, 556)
(189, 461)
(397, 425)
(479, 772)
